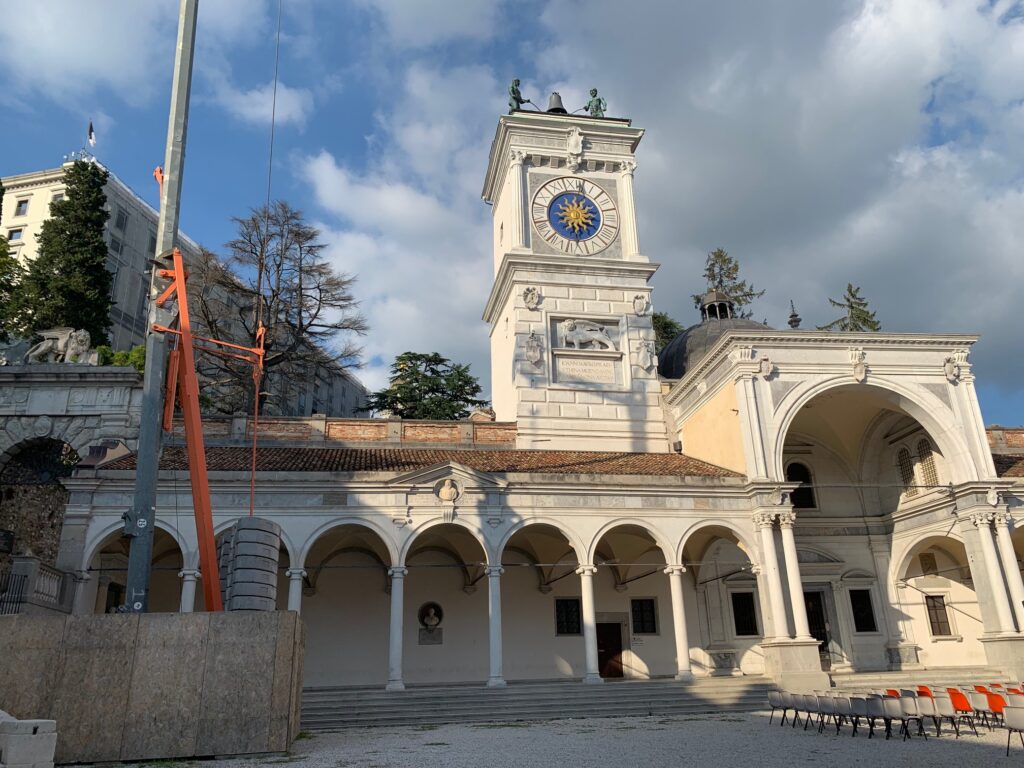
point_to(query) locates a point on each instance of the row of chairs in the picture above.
(907, 707)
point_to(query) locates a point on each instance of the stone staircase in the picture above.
(345, 707)
(936, 676)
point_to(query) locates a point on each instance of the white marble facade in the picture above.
(849, 516)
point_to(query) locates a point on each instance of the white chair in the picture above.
(926, 708)
(893, 712)
(845, 711)
(775, 702)
(876, 711)
(1013, 720)
(980, 705)
(859, 707)
(911, 712)
(810, 708)
(827, 707)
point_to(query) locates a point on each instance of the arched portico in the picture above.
(106, 565)
(343, 582)
(729, 620)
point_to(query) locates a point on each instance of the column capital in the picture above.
(756, 569)
(189, 574)
(586, 570)
(628, 167)
(517, 156)
(764, 518)
(672, 569)
(398, 572)
(981, 517)
(80, 577)
(296, 573)
(1002, 518)
(787, 518)
(493, 571)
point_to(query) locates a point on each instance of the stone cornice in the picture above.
(719, 353)
(66, 373)
(572, 267)
(541, 123)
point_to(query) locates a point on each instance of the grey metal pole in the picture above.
(139, 522)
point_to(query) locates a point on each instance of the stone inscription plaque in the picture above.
(432, 636)
(575, 370)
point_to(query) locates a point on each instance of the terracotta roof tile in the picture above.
(236, 459)
(1009, 466)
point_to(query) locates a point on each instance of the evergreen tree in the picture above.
(68, 284)
(10, 276)
(857, 317)
(665, 329)
(427, 386)
(722, 273)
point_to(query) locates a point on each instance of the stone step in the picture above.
(333, 708)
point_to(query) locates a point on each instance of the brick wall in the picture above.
(1006, 440)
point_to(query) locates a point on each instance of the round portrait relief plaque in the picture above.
(431, 615)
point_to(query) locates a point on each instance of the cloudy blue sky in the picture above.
(873, 142)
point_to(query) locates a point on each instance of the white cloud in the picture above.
(256, 105)
(66, 49)
(422, 23)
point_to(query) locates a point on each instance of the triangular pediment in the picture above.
(468, 479)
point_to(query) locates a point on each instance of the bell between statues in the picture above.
(555, 104)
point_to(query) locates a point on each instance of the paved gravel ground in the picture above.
(722, 741)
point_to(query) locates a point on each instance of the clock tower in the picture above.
(572, 341)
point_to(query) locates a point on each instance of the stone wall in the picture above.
(156, 686)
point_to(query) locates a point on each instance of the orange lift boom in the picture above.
(183, 382)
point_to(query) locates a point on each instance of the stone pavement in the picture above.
(716, 741)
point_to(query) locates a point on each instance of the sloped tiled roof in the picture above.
(1009, 465)
(274, 459)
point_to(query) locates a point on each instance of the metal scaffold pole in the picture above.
(139, 522)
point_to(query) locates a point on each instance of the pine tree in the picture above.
(427, 386)
(722, 273)
(665, 329)
(858, 317)
(68, 284)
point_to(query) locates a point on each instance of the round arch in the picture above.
(105, 535)
(73, 431)
(660, 540)
(575, 542)
(477, 534)
(901, 562)
(286, 541)
(927, 409)
(312, 539)
(742, 540)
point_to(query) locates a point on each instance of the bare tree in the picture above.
(276, 275)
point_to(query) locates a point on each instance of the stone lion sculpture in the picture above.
(61, 345)
(579, 332)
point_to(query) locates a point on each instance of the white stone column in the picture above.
(82, 605)
(188, 577)
(1010, 567)
(770, 565)
(982, 521)
(796, 588)
(495, 679)
(295, 577)
(593, 671)
(627, 209)
(516, 188)
(675, 583)
(395, 636)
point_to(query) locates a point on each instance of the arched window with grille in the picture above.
(906, 467)
(929, 476)
(802, 497)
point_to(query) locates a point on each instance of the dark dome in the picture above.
(686, 349)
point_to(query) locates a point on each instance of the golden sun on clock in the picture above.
(574, 215)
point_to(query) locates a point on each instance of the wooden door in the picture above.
(609, 649)
(817, 621)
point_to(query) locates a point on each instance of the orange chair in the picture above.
(962, 706)
(892, 693)
(924, 690)
(996, 705)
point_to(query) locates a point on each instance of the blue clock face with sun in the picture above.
(574, 215)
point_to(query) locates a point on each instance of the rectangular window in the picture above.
(152, 244)
(21, 208)
(121, 220)
(938, 618)
(863, 614)
(645, 616)
(744, 615)
(57, 197)
(116, 246)
(567, 616)
(13, 235)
